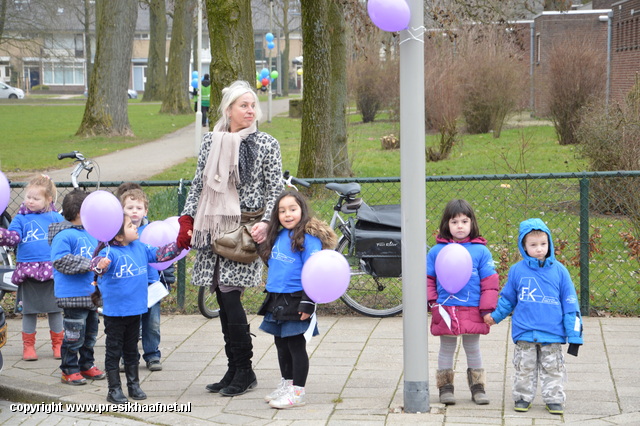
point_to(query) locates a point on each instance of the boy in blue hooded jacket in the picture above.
(546, 314)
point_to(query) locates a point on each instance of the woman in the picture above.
(239, 169)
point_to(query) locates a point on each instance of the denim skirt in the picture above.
(285, 328)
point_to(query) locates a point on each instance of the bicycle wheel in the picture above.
(368, 295)
(207, 303)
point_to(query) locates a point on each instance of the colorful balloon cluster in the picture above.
(389, 15)
(325, 276)
(453, 267)
(194, 81)
(269, 38)
(264, 78)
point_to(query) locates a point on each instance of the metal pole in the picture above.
(279, 65)
(584, 246)
(414, 251)
(198, 123)
(271, 31)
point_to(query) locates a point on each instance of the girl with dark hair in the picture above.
(461, 314)
(293, 236)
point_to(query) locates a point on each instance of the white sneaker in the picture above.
(293, 398)
(282, 389)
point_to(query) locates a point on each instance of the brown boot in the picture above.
(28, 348)
(56, 343)
(476, 379)
(444, 380)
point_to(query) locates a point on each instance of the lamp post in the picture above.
(198, 123)
(271, 32)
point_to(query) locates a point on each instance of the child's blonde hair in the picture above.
(45, 182)
(136, 195)
(533, 233)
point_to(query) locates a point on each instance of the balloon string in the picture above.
(409, 34)
(108, 247)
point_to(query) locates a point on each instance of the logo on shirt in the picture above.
(85, 248)
(126, 267)
(530, 291)
(278, 255)
(34, 232)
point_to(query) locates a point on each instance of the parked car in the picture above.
(8, 92)
(131, 94)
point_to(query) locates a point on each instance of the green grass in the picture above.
(44, 130)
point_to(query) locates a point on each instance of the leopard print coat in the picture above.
(264, 187)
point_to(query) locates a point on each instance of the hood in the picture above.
(57, 227)
(535, 225)
(321, 230)
(206, 83)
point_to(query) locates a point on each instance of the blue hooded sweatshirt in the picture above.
(541, 296)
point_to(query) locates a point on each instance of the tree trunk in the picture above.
(232, 53)
(338, 87)
(176, 95)
(156, 69)
(87, 41)
(315, 146)
(106, 109)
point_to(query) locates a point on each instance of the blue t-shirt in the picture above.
(77, 242)
(33, 229)
(124, 285)
(285, 265)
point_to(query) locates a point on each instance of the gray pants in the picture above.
(533, 360)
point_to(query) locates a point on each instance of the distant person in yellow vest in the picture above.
(205, 93)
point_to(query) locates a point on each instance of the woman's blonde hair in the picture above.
(45, 182)
(229, 96)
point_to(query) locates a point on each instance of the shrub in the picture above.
(610, 140)
(577, 73)
(40, 87)
(492, 76)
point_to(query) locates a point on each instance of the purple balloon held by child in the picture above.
(453, 267)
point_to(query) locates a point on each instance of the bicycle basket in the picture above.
(379, 244)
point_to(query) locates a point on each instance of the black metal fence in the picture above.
(594, 219)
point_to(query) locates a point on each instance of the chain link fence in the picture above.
(594, 219)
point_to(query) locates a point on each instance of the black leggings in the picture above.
(293, 358)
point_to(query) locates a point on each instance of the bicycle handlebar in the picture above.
(294, 180)
(73, 154)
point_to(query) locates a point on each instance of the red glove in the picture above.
(185, 232)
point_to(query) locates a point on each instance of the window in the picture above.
(62, 74)
(538, 54)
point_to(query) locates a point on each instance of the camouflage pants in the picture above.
(533, 360)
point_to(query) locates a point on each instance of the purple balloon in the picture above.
(325, 276)
(102, 215)
(173, 221)
(453, 267)
(389, 15)
(5, 192)
(158, 234)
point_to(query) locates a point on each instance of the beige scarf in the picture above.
(219, 205)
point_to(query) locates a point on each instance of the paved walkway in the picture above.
(146, 160)
(355, 377)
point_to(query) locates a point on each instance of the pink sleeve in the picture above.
(489, 287)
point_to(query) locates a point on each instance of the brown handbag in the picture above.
(237, 244)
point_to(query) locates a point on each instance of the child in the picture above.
(34, 273)
(292, 237)
(136, 205)
(545, 309)
(461, 314)
(123, 285)
(71, 250)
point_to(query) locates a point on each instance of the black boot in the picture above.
(241, 348)
(133, 382)
(115, 395)
(231, 366)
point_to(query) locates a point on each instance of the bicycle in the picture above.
(371, 242)
(207, 302)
